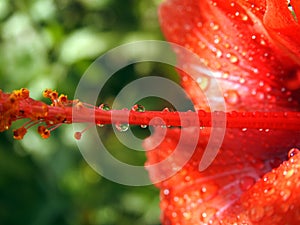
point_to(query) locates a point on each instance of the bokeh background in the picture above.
(50, 44)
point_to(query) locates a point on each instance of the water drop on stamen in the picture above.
(122, 127)
(77, 135)
(138, 108)
(104, 107)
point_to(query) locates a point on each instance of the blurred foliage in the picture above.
(49, 44)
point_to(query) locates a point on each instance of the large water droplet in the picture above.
(232, 97)
(122, 127)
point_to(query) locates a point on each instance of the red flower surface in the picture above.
(253, 48)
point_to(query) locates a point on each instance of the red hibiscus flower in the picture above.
(253, 49)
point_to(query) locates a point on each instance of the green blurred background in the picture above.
(49, 44)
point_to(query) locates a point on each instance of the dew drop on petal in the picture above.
(203, 82)
(207, 215)
(260, 96)
(233, 59)
(242, 80)
(122, 127)
(285, 194)
(209, 191)
(293, 152)
(244, 17)
(256, 214)
(288, 173)
(214, 26)
(232, 97)
(219, 53)
(246, 183)
(166, 191)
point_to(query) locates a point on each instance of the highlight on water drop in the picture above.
(138, 108)
(122, 127)
(104, 107)
(292, 152)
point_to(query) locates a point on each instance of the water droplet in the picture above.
(77, 135)
(293, 152)
(246, 183)
(144, 126)
(233, 59)
(219, 54)
(256, 214)
(104, 107)
(244, 17)
(214, 26)
(138, 108)
(187, 215)
(207, 215)
(217, 40)
(225, 75)
(232, 97)
(203, 82)
(209, 191)
(288, 173)
(201, 45)
(244, 129)
(166, 191)
(260, 96)
(285, 194)
(100, 125)
(122, 127)
(242, 80)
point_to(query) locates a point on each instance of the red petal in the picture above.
(232, 40)
(256, 62)
(274, 199)
(224, 193)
